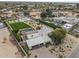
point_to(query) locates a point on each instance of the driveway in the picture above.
(42, 52)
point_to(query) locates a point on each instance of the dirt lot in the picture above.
(7, 48)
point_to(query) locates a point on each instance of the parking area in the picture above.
(7, 48)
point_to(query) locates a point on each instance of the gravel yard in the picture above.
(66, 48)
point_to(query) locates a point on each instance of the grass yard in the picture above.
(18, 25)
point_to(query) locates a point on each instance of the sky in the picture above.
(73, 1)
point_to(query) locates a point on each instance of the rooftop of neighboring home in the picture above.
(1, 25)
(71, 20)
(67, 26)
(24, 19)
(35, 14)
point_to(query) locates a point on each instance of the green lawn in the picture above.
(18, 25)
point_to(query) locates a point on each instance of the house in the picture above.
(34, 38)
(76, 30)
(67, 26)
(35, 14)
(25, 19)
(37, 41)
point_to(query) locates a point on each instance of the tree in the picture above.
(49, 12)
(57, 35)
(26, 13)
(24, 7)
(77, 15)
(38, 28)
(43, 15)
(77, 6)
(2, 18)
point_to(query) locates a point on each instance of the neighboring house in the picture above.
(8, 13)
(70, 20)
(76, 30)
(24, 19)
(67, 26)
(1, 25)
(35, 14)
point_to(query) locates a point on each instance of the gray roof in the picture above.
(38, 40)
